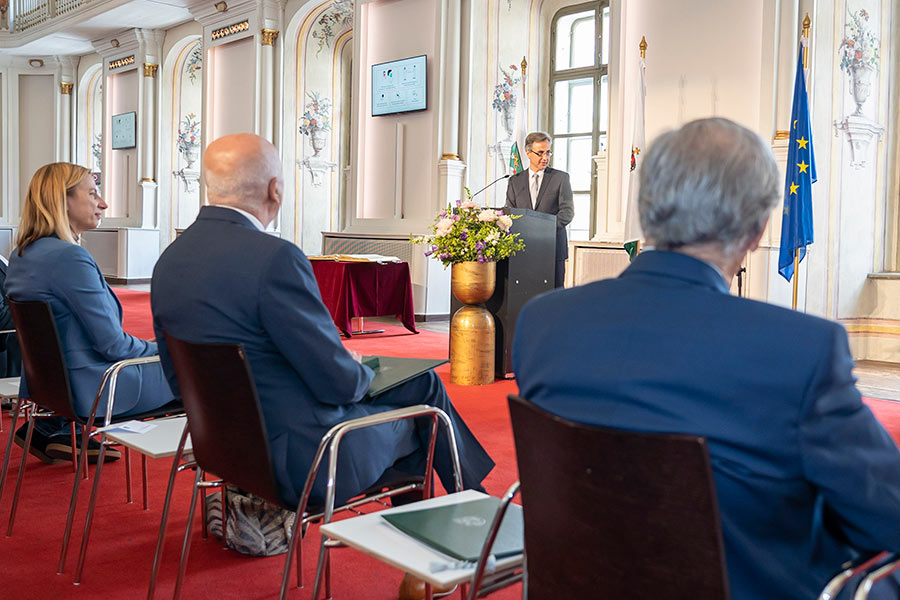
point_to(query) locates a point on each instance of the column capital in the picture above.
(269, 36)
(65, 87)
(150, 69)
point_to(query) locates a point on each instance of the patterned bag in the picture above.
(255, 527)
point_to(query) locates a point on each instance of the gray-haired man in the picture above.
(805, 476)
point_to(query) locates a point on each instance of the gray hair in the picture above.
(712, 181)
(536, 137)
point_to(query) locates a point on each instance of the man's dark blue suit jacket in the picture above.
(804, 473)
(225, 281)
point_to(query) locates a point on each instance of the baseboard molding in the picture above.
(125, 280)
(432, 318)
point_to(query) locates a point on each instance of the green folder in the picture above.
(459, 530)
(391, 371)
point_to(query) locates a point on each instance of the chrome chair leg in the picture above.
(70, 518)
(15, 502)
(144, 482)
(72, 441)
(186, 547)
(89, 519)
(161, 537)
(204, 526)
(9, 441)
(323, 551)
(295, 539)
(129, 497)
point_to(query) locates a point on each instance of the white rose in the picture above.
(487, 215)
(505, 222)
(468, 204)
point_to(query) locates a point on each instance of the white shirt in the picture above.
(256, 222)
(534, 189)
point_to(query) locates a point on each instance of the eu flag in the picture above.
(800, 174)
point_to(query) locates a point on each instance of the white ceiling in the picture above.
(72, 34)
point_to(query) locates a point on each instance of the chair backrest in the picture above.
(616, 514)
(228, 433)
(42, 359)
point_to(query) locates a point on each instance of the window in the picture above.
(579, 102)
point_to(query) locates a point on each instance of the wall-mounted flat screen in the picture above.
(399, 86)
(123, 131)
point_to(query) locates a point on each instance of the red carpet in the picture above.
(124, 536)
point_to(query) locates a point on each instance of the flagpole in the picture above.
(806, 24)
(643, 47)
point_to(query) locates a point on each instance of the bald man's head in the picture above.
(243, 170)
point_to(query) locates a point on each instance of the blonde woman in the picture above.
(48, 264)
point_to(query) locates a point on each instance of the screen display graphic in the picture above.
(399, 86)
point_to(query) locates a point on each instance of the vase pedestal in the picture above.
(472, 331)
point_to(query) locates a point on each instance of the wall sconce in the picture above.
(36, 63)
(220, 6)
(114, 43)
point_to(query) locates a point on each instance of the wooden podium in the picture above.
(519, 279)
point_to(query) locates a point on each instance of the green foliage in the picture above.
(467, 232)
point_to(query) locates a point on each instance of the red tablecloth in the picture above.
(363, 289)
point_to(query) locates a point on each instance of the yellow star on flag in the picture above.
(794, 188)
(801, 143)
(803, 166)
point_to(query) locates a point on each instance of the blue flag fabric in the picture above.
(800, 174)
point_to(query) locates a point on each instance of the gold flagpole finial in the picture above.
(524, 68)
(643, 47)
(806, 24)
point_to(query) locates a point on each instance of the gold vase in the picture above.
(472, 326)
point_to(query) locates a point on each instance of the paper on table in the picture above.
(377, 258)
(130, 426)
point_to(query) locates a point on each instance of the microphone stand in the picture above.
(507, 176)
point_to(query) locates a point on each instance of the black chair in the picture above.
(51, 395)
(229, 439)
(624, 514)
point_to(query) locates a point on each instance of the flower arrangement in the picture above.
(188, 134)
(505, 91)
(468, 232)
(316, 116)
(859, 49)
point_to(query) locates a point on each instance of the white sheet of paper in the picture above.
(130, 426)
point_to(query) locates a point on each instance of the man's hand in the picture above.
(356, 355)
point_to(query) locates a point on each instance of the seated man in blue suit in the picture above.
(226, 280)
(804, 473)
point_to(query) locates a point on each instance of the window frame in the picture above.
(596, 71)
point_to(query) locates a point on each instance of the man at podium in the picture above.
(545, 190)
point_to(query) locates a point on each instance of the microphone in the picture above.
(507, 176)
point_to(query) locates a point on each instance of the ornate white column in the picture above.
(267, 83)
(67, 66)
(148, 122)
(150, 45)
(148, 147)
(64, 150)
(451, 67)
(450, 167)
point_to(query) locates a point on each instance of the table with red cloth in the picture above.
(365, 289)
